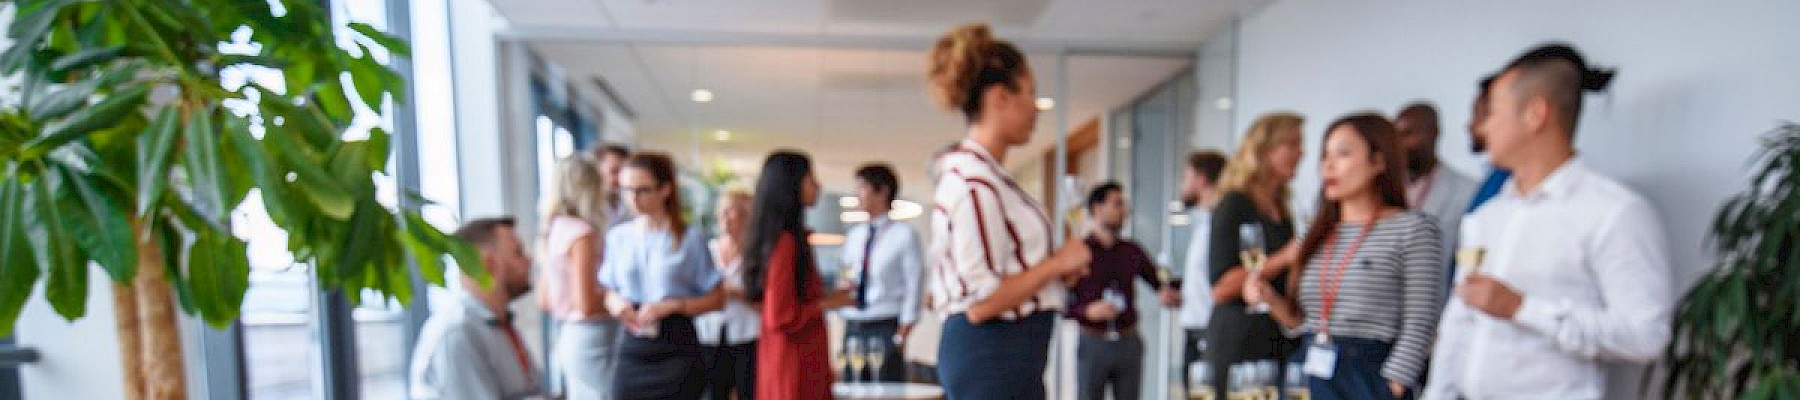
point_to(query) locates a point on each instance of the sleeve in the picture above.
(912, 266)
(976, 248)
(1421, 272)
(781, 307)
(1222, 251)
(703, 272)
(458, 372)
(612, 263)
(1146, 268)
(1630, 262)
(1447, 361)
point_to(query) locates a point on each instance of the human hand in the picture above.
(1100, 311)
(1490, 296)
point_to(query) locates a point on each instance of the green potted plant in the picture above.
(1737, 333)
(123, 147)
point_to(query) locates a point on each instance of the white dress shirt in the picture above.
(1196, 289)
(984, 229)
(738, 322)
(1590, 259)
(896, 270)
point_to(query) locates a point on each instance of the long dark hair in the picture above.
(662, 169)
(1390, 184)
(778, 210)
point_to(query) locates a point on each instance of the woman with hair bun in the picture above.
(996, 274)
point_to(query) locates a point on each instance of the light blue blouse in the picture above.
(645, 266)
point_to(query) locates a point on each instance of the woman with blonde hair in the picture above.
(996, 276)
(728, 336)
(1253, 206)
(569, 248)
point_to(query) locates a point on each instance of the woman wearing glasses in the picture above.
(660, 274)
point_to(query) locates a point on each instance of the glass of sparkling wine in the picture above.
(877, 356)
(1472, 252)
(858, 359)
(1252, 255)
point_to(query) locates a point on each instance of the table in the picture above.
(887, 391)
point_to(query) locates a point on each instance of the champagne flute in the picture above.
(858, 359)
(877, 356)
(1117, 299)
(1252, 255)
(1472, 251)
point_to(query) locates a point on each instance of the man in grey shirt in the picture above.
(470, 350)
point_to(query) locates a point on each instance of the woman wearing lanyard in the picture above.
(994, 272)
(793, 356)
(660, 274)
(1370, 272)
(728, 336)
(1255, 194)
(583, 351)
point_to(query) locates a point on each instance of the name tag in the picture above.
(1321, 360)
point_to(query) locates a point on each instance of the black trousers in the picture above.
(728, 368)
(893, 368)
(1102, 363)
(663, 367)
(1193, 349)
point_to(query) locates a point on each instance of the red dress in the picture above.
(793, 354)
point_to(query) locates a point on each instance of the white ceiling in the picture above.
(843, 104)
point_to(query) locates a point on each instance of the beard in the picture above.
(1420, 161)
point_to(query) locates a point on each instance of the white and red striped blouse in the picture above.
(984, 228)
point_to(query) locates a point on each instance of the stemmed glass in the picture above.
(1252, 255)
(877, 357)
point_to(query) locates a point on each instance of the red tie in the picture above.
(518, 347)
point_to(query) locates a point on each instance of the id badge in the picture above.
(1321, 360)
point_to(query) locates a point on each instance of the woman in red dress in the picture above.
(793, 352)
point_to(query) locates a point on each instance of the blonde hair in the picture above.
(1248, 168)
(734, 198)
(578, 192)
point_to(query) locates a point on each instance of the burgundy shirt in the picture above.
(1111, 267)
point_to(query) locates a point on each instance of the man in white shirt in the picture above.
(1434, 189)
(885, 260)
(1199, 189)
(471, 351)
(610, 158)
(1576, 271)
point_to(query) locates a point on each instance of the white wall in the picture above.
(1698, 82)
(81, 358)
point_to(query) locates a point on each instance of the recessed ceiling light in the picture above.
(849, 202)
(722, 135)
(702, 96)
(1046, 103)
(1224, 103)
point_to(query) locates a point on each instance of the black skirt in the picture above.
(663, 367)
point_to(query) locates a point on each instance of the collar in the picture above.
(878, 222)
(473, 307)
(1559, 183)
(975, 147)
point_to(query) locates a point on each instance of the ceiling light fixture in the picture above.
(722, 135)
(905, 210)
(1046, 103)
(849, 202)
(702, 96)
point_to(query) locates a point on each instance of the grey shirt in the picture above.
(464, 353)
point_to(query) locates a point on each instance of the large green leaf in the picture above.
(57, 254)
(219, 276)
(314, 183)
(18, 266)
(391, 43)
(200, 160)
(379, 148)
(32, 21)
(104, 114)
(85, 58)
(100, 221)
(155, 147)
(430, 260)
(365, 73)
(171, 243)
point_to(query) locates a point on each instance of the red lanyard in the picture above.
(1333, 275)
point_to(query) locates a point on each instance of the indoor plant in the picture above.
(122, 146)
(1737, 333)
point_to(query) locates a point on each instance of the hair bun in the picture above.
(956, 62)
(1597, 79)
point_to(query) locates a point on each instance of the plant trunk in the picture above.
(131, 359)
(149, 336)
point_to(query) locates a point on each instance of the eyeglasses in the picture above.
(638, 190)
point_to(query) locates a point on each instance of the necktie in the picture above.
(518, 348)
(862, 281)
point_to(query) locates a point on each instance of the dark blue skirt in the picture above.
(995, 360)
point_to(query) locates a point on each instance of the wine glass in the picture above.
(859, 357)
(877, 357)
(841, 361)
(1252, 255)
(1113, 296)
(1473, 251)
